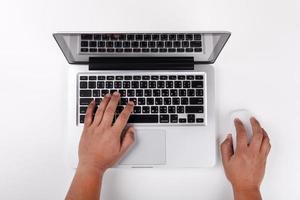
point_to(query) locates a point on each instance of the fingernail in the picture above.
(229, 136)
(237, 120)
(116, 94)
(130, 103)
(108, 95)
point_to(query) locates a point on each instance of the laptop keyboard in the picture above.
(159, 98)
(141, 43)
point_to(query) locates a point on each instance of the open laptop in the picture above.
(169, 77)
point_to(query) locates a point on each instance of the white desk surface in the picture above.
(258, 70)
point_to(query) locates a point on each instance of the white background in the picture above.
(258, 70)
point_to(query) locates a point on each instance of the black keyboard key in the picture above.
(110, 50)
(181, 77)
(145, 77)
(174, 118)
(169, 84)
(83, 109)
(182, 120)
(199, 120)
(189, 77)
(160, 44)
(156, 93)
(112, 91)
(134, 100)
(154, 109)
(190, 92)
(86, 36)
(83, 78)
(98, 100)
(101, 77)
(128, 77)
(141, 101)
(93, 50)
(92, 43)
(173, 93)
(177, 84)
(92, 84)
(196, 101)
(145, 109)
(130, 93)
(172, 77)
(163, 77)
(180, 50)
(126, 84)
(164, 37)
(109, 84)
(139, 37)
(143, 119)
(164, 119)
(84, 49)
(143, 44)
(164, 93)
(197, 36)
(160, 84)
(143, 84)
(155, 37)
(135, 84)
(137, 77)
(136, 50)
(194, 109)
(109, 44)
(180, 109)
(186, 84)
(101, 44)
(176, 101)
(122, 93)
(147, 37)
(126, 44)
(189, 50)
(127, 50)
(102, 50)
(158, 101)
(145, 50)
(130, 37)
(154, 77)
(84, 44)
(139, 93)
(184, 101)
(191, 118)
(163, 50)
(199, 92)
(134, 44)
(167, 101)
(85, 101)
(189, 36)
(137, 109)
(118, 44)
(182, 92)
(123, 101)
(168, 44)
(118, 84)
(185, 44)
(150, 101)
(96, 93)
(148, 93)
(151, 44)
(119, 77)
(180, 37)
(198, 77)
(196, 44)
(105, 37)
(197, 84)
(198, 49)
(177, 44)
(83, 84)
(163, 109)
(119, 50)
(82, 118)
(104, 92)
(119, 109)
(154, 50)
(171, 109)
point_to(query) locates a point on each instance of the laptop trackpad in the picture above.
(149, 148)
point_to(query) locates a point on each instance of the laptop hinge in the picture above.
(141, 63)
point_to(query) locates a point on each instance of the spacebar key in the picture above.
(143, 119)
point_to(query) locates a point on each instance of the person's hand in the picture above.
(103, 143)
(245, 168)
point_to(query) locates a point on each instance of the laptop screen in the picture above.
(78, 48)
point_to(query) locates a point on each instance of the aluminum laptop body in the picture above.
(156, 145)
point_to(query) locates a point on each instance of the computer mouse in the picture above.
(244, 115)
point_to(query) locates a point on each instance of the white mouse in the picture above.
(244, 115)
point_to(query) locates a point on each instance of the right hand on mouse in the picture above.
(245, 168)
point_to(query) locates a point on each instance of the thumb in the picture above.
(128, 140)
(227, 149)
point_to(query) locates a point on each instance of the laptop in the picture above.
(170, 78)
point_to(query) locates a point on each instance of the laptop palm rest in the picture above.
(149, 148)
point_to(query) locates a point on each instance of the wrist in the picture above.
(90, 168)
(252, 188)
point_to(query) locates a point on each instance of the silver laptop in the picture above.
(169, 77)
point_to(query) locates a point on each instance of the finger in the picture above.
(257, 137)
(100, 111)
(122, 119)
(110, 109)
(128, 140)
(227, 149)
(241, 137)
(88, 119)
(266, 146)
